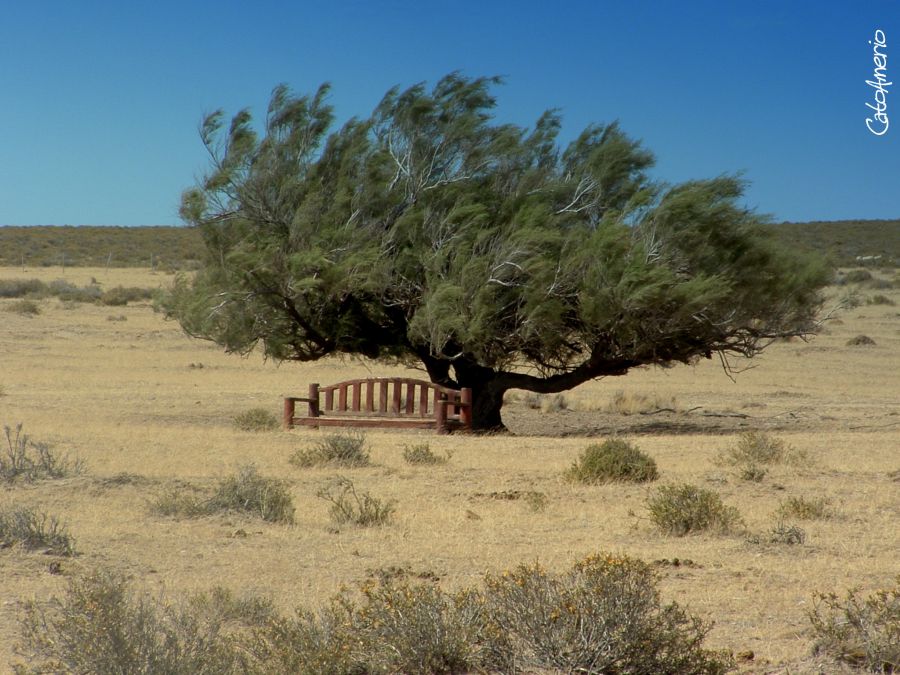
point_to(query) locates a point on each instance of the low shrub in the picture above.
(32, 529)
(880, 300)
(101, 626)
(21, 288)
(861, 341)
(421, 453)
(358, 508)
(781, 533)
(864, 632)
(248, 492)
(612, 461)
(805, 509)
(602, 616)
(631, 403)
(24, 307)
(755, 451)
(685, 508)
(343, 449)
(858, 276)
(25, 460)
(66, 291)
(120, 296)
(554, 404)
(256, 419)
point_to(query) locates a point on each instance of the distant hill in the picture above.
(180, 248)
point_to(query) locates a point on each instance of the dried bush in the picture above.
(554, 404)
(880, 300)
(421, 453)
(24, 307)
(612, 461)
(248, 492)
(858, 276)
(101, 626)
(31, 529)
(344, 449)
(864, 632)
(358, 508)
(20, 288)
(602, 616)
(756, 450)
(685, 508)
(861, 341)
(120, 296)
(256, 419)
(805, 509)
(631, 403)
(25, 460)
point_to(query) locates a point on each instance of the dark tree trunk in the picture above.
(487, 394)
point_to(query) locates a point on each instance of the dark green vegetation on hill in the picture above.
(88, 246)
(180, 247)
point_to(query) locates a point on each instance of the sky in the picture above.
(101, 101)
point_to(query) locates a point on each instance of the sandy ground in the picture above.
(145, 407)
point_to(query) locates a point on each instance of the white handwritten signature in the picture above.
(879, 82)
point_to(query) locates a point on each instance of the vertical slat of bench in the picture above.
(370, 396)
(383, 396)
(288, 419)
(410, 397)
(357, 387)
(395, 397)
(440, 413)
(423, 400)
(329, 400)
(314, 400)
(342, 398)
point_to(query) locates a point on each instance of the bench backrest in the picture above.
(385, 397)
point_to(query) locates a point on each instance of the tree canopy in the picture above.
(430, 233)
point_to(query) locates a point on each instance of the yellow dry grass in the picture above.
(145, 406)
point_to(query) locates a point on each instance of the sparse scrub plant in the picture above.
(421, 453)
(612, 461)
(805, 509)
(248, 492)
(880, 300)
(32, 529)
(864, 632)
(343, 449)
(682, 509)
(102, 626)
(351, 506)
(21, 288)
(631, 403)
(120, 296)
(786, 533)
(179, 503)
(858, 276)
(554, 404)
(256, 419)
(24, 307)
(27, 460)
(755, 451)
(602, 616)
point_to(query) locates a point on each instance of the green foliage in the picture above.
(26, 460)
(342, 449)
(358, 508)
(613, 460)
(421, 453)
(87, 246)
(864, 632)
(34, 529)
(755, 451)
(682, 509)
(429, 232)
(256, 419)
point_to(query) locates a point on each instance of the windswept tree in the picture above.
(483, 252)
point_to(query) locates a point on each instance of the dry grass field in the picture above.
(148, 409)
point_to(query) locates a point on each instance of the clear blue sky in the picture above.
(101, 100)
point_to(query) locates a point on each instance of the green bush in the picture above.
(358, 508)
(32, 530)
(421, 453)
(864, 632)
(256, 419)
(755, 451)
(613, 460)
(805, 509)
(344, 449)
(681, 509)
(25, 460)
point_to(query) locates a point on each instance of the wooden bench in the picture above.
(395, 402)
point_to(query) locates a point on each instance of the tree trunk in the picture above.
(487, 394)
